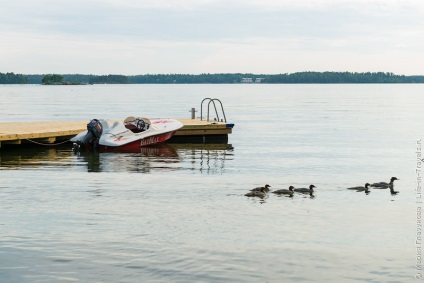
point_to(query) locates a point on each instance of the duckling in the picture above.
(261, 193)
(361, 189)
(259, 189)
(305, 190)
(284, 191)
(384, 185)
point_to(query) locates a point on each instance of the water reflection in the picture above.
(205, 158)
(35, 157)
(144, 159)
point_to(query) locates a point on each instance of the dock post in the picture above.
(193, 111)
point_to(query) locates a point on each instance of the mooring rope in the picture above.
(47, 144)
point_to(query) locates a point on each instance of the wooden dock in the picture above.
(24, 133)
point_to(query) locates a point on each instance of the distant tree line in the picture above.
(188, 79)
(417, 79)
(109, 79)
(230, 78)
(294, 78)
(11, 78)
(339, 77)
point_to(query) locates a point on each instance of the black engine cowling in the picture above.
(91, 139)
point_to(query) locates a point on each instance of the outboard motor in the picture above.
(91, 139)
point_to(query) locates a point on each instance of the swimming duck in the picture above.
(260, 189)
(261, 193)
(284, 191)
(384, 185)
(361, 189)
(305, 190)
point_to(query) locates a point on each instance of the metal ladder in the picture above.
(212, 100)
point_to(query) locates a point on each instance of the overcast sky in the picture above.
(211, 36)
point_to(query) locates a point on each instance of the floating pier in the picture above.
(26, 133)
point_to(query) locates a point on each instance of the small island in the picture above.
(56, 80)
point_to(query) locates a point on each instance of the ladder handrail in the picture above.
(212, 100)
(201, 108)
(216, 112)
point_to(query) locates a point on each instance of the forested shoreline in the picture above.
(228, 78)
(11, 78)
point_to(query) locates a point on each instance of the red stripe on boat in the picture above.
(139, 143)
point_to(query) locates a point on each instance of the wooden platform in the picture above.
(56, 132)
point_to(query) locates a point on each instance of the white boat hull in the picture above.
(119, 137)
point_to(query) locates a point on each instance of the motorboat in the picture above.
(131, 134)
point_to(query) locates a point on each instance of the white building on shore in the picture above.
(250, 80)
(246, 80)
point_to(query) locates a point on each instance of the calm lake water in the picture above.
(177, 213)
